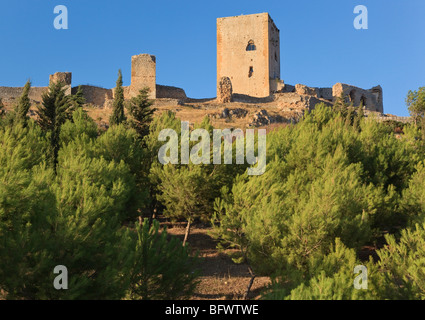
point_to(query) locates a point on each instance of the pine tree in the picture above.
(118, 116)
(52, 114)
(358, 116)
(77, 100)
(141, 113)
(186, 192)
(341, 105)
(402, 265)
(163, 268)
(416, 103)
(24, 104)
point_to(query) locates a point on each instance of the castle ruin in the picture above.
(248, 68)
(248, 53)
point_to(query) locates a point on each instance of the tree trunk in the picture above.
(250, 283)
(186, 235)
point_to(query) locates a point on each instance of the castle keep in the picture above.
(248, 52)
(248, 70)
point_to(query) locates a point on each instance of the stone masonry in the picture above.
(225, 91)
(248, 52)
(63, 77)
(143, 74)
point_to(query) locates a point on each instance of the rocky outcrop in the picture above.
(236, 113)
(263, 118)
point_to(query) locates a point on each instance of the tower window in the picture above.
(251, 46)
(251, 71)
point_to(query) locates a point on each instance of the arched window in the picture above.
(251, 46)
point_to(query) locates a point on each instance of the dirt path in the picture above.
(221, 278)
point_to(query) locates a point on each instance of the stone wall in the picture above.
(170, 92)
(95, 95)
(289, 101)
(372, 99)
(11, 93)
(325, 93)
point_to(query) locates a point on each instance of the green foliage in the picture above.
(413, 201)
(23, 105)
(52, 114)
(75, 218)
(81, 126)
(185, 191)
(117, 115)
(329, 277)
(121, 144)
(162, 269)
(341, 106)
(77, 100)
(140, 112)
(335, 183)
(22, 147)
(402, 265)
(416, 103)
(326, 179)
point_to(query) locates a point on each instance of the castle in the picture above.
(248, 66)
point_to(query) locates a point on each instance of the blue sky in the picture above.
(319, 45)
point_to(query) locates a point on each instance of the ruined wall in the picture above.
(224, 90)
(95, 95)
(325, 93)
(372, 99)
(143, 74)
(170, 92)
(12, 93)
(249, 70)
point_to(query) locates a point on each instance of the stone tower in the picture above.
(65, 78)
(143, 74)
(248, 52)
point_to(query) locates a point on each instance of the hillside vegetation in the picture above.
(86, 198)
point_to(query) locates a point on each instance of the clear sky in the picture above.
(319, 44)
